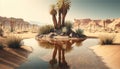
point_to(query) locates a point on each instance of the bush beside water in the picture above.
(14, 41)
(45, 29)
(63, 31)
(107, 39)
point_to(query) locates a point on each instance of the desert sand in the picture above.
(97, 34)
(23, 35)
(12, 58)
(110, 55)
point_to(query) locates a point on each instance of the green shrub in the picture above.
(46, 29)
(68, 25)
(107, 40)
(67, 28)
(79, 32)
(13, 41)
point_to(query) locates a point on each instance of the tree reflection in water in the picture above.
(60, 48)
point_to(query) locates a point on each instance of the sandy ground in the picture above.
(98, 34)
(110, 55)
(12, 58)
(23, 35)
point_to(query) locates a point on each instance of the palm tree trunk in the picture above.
(59, 20)
(63, 19)
(54, 21)
(64, 13)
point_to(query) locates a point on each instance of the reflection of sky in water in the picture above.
(40, 57)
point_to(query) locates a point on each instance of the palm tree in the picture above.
(65, 8)
(53, 12)
(62, 8)
(59, 8)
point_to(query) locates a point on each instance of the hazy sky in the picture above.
(38, 10)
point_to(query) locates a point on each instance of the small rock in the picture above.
(51, 35)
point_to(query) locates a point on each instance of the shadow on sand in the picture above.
(12, 58)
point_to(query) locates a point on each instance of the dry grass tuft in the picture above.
(107, 39)
(13, 41)
(46, 29)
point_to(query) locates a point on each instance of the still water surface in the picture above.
(62, 55)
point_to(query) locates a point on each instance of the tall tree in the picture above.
(53, 12)
(65, 8)
(62, 8)
(59, 8)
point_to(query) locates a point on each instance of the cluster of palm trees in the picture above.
(61, 8)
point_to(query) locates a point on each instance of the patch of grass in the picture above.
(107, 39)
(68, 25)
(79, 32)
(67, 28)
(13, 41)
(46, 29)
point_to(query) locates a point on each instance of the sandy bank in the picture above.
(97, 34)
(110, 55)
(10, 58)
(13, 58)
(23, 35)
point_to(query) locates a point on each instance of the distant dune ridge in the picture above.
(16, 24)
(109, 25)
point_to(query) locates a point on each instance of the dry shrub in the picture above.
(13, 41)
(46, 29)
(107, 39)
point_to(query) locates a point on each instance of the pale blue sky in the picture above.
(38, 10)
